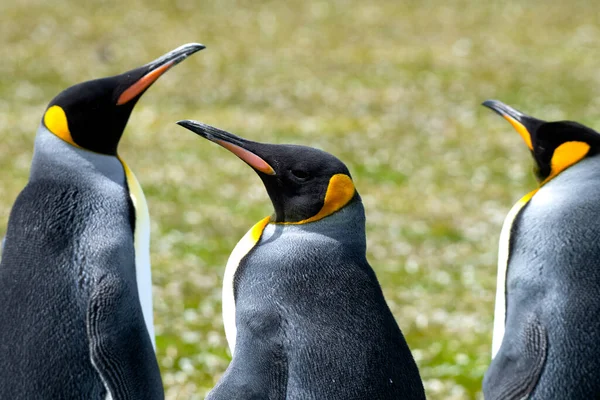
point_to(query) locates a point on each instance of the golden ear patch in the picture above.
(339, 192)
(566, 155)
(55, 120)
(520, 128)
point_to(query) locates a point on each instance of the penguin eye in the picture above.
(299, 174)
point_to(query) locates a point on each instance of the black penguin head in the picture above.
(304, 184)
(555, 146)
(92, 115)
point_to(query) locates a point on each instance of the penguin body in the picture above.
(72, 262)
(304, 314)
(547, 309)
(76, 295)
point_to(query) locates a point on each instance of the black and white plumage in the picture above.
(304, 313)
(75, 287)
(547, 319)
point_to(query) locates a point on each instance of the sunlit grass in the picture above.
(391, 88)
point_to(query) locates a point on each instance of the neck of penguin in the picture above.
(52, 156)
(346, 225)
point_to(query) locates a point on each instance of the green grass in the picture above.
(392, 88)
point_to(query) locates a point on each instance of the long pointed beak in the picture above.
(522, 123)
(231, 142)
(156, 69)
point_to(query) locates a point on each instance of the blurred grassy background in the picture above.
(391, 88)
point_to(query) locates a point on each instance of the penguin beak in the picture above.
(522, 123)
(233, 143)
(154, 70)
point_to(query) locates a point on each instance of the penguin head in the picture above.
(555, 146)
(303, 183)
(92, 115)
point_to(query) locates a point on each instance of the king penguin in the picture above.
(547, 315)
(75, 287)
(304, 315)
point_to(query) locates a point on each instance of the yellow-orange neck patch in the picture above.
(258, 228)
(339, 192)
(55, 120)
(520, 128)
(566, 155)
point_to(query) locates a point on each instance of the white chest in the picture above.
(503, 257)
(142, 250)
(243, 247)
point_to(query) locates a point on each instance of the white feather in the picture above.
(142, 250)
(503, 256)
(242, 248)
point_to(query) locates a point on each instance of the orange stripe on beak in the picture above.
(143, 83)
(248, 157)
(520, 128)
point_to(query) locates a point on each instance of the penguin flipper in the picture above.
(259, 368)
(120, 347)
(517, 367)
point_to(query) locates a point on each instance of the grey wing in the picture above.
(120, 347)
(258, 370)
(517, 367)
